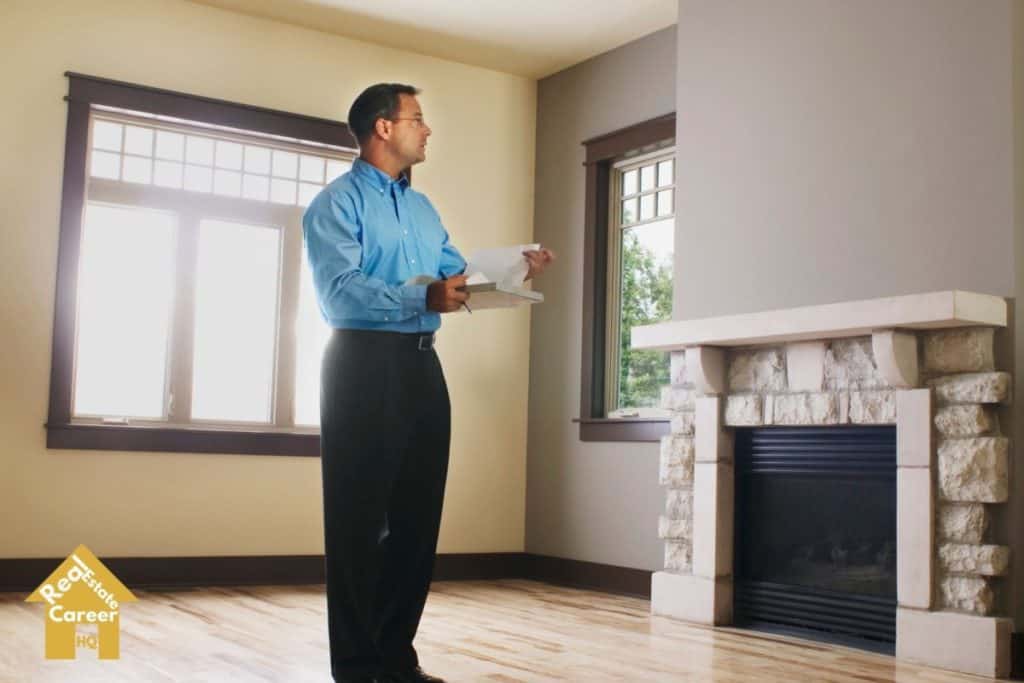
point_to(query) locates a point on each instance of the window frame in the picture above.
(84, 94)
(602, 152)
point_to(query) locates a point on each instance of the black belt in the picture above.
(422, 342)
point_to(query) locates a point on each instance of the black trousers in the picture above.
(385, 425)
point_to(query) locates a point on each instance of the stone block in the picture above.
(872, 407)
(713, 513)
(914, 533)
(972, 387)
(678, 556)
(679, 503)
(692, 598)
(914, 428)
(967, 594)
(962, 522)
(676, 463)
(675, 529)
(743, 410)
(850, 364)
(964, 420)
(959, 350)
(805, 366)
(674, 397)
(959, 642)
(974, 470)
(966, 558)
(677, 369)
(760, 370)
(681, 423)
(804, 409)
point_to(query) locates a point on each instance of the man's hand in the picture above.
(539, 259)
(444, 296)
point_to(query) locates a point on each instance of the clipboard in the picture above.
(486, 295)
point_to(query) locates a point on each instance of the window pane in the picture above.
(138, 170)
(257, 159)
(236, 322)
(307, 192)
(106, 135)
(647, 178)
(228, 183)
(105, 165)
(665, 173)
(646, 297)
(282, 191)
(170, 145)
(255, 187)
(629, 211)
(199, 150)
(665, 203)
(229, 155)
(647, 207)
(125, 299)
(198, 178)
(311, 169)
(286, 164)
(138, 141)
(629, 179)
(168, 174)
(336, 168)
(311, 335)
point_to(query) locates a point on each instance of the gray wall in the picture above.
(834, 150)
(597, 502)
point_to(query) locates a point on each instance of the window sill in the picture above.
(181, 440)
(622, 428)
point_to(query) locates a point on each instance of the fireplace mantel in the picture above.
(933, 310)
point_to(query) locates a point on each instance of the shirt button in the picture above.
(412, 260)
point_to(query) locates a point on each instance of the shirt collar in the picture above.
(378, 178)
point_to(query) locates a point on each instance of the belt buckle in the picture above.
(429, 342)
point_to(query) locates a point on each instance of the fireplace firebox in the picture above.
(815, 536)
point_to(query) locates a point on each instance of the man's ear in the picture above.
(383, 128)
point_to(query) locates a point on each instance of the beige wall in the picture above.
(480, 176)
(596, 502)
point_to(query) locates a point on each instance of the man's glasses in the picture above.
(416, 123)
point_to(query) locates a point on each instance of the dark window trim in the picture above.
(84, 92)
(601, 153)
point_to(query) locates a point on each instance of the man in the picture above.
(385, 414)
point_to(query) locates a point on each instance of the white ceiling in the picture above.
(527, 37)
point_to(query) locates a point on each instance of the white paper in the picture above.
(505, 265)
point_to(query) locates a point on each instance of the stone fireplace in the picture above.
(923, 363)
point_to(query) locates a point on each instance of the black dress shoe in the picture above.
(414, 675)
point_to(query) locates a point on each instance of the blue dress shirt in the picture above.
(366, 235)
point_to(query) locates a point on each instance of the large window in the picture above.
(628, 256)
(185, 317)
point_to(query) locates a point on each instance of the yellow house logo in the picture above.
(82, 591)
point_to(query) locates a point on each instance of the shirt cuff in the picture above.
(414, 299)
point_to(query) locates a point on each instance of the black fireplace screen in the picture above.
(816, 532)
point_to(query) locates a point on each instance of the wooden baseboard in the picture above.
(23, 575)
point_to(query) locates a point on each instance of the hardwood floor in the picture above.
(502, 631)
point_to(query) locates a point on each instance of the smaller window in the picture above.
(641, 239)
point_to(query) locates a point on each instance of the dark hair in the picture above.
(379, 101)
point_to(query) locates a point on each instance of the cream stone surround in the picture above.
(726, 374)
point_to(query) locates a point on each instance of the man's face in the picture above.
(408, 131)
